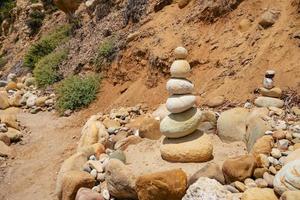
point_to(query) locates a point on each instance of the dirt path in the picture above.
(32, 173)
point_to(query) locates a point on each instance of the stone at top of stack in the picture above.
(184, 118)
(270, 93)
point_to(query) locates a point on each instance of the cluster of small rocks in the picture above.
(24, 93)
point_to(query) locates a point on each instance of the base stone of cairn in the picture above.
(183, 143)
(270, 94)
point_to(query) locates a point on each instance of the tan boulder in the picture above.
(110, 123)
(120, 180)
(238, 168)
(40, 101)
(148, 127)
(210, 170)
(14, 135)
(164, 185)
(192, 148)
(259, 194)
(294, 155)
(93, 132)
(290, 195)
(10, 120)
(88, 194)
(16, 99)
(74, 180)
(126, 142)
(4, 103)
(262, 146)
(11, 86)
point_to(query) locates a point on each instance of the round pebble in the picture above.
(180, 53)
(250, 183)
(94, 173)
(276, 153)
(260, 182)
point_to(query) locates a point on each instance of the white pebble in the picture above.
(105, 194)
(94, 173)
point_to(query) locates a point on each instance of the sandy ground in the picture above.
(32, 173)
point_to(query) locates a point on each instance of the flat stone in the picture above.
(180, 125)
(180, 103)
(216, 101)
(193, 148)
(268, 102)
(274, 92)
(179, 86)
(180, 69)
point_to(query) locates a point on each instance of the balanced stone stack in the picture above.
(270, 94)
(184, 117)
(182, 142)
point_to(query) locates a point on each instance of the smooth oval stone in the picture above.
(180, 103)
(179, 86)
(180, 69)
(180, 53)
(268, 83)
(180, 125)
(268, 102)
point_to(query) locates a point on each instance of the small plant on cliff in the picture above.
(76, 92)
(35, 21)
(105, 55)
(46, 45)
(5, 9)
(46, 70)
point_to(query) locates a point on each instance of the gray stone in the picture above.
(180, 103)
(179, 86)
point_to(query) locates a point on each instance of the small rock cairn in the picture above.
(184, 117)
(270, 94)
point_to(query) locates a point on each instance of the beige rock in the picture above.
(20, 86)
(180, 125)
(180, 69)
(210, 170)
(4, 103)
(296, 146)
(120, 180)
(110, 123)
(238, 168)
(192, 148)
(268, 102)
(164, 185)
(278, 135)
(148, 127)
(259, 194)
(10, 120)
(295, 155)
(179, 86)
(240, 186)
(40, 101)
(216, 101)
(125, 143)
(88, 194)
(290, 195)
(14, 135)
(16, 99)
(180, 53)
(93, 132)
(180, 103)
(274, 92)
(74, 180)
(259, 172)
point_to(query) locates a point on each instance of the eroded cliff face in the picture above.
(229, 49)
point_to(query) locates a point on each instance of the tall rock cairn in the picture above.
(184, 117)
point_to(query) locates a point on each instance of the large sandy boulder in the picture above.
(120, 180)
(93, 132)
(192, 148)
(74, 180)
(232, 124)
(162, 185)
(238, 168)
(176, 126)
(147, 126)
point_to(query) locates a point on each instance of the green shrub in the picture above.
(35, 21)
(5, 7)
(76, 92)
(105, 55)
(46, 45)
(3, 61)
(46, 70)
